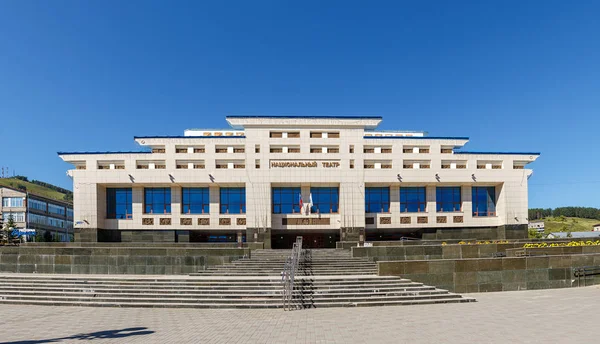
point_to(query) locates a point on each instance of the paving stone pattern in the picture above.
(539, 316)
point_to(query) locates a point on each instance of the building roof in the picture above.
(36, 196)
(499, 153)
(84, 153)
(575, 234)
(189, 137)
(417, 137)
(365, 122)
(309, 117)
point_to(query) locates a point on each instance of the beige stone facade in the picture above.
(260, 153)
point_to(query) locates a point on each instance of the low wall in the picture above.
(486, 233)
(424, 252)
(347, 245)
(114, 259)
(551, 251)
(250, 245)
(495, 274)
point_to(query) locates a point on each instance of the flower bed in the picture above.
(482, 242)
(563, 244)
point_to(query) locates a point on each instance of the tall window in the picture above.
(286, 200)
(377, 200)
(413, 199)
(12, 202)
(448, 199)
(157, 200)
(484, 201)
(118, 203)
(325, 200)
(233, 201)
(195, 201)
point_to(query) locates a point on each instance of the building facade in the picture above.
(270, 178)
(30, 211)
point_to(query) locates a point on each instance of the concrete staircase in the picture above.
(322, 262)
(215, 291)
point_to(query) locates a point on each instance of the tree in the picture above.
(534, 234)
(47, 236)
(7, 229)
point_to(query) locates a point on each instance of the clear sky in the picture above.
(511, 75)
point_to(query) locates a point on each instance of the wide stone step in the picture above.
(278, 273)
(235, 306)
(348, 271)
(233, 285)
(248, 300)
(280, 266)
(234, 274)
(301, 281)
(221, 290)
(89, 280)
(332, 261)
(217, 291)
(313, 295)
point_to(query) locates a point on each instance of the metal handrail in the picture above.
(289, 272)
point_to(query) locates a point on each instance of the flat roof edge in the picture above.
(84, 153)
(190, 137)
(314, 117)
(500, 153)
(416, 137)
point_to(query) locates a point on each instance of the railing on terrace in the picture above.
(289, 273)
(585, 274)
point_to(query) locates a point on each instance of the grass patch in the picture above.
(32, 188)
(568, 224)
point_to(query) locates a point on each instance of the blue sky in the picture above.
(511, 75)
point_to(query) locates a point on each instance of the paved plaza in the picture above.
(552, 316)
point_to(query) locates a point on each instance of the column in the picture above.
(214, 196)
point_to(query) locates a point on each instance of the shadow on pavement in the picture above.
(109, 334)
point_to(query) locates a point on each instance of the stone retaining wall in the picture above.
(495, 274)
(551, 251)
(422, 252)
(114, 259)
(250, 245)
(347, 245)
(486, 233)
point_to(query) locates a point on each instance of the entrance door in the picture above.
(309, 240)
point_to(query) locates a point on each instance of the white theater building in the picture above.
(270, 178)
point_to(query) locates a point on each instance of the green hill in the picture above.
(48, 190)
(568, 224)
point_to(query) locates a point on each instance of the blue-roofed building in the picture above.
(267, 179)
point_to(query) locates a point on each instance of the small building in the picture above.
(30, 211)
(574, 235)
(537, 225)
(597, 228)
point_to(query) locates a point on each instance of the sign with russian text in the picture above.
(305, 164)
